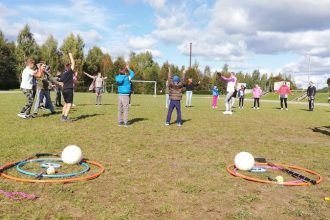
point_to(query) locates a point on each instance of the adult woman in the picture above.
(97, 85)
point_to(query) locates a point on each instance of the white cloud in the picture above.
(141, 42)
(157, 4)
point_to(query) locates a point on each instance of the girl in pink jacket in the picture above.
(283, 91)
(257, 92)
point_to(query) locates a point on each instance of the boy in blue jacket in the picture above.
(123, 80)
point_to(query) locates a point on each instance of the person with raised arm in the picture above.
(175, 93)
(97, 86)
(231, 83)
(67, 92)
(123, 80)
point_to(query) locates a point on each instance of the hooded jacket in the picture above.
(124, 83)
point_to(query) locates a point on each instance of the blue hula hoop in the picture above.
(21, 164)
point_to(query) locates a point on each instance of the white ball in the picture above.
(50, 170)
(72, 154)
(244, 161)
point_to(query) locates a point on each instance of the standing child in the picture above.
(175, 93)
(241, 96)
(283, 91)
(67, 78)
(26, 87)
(231, 82)
(257, 92)
(123, 80)
(215, 94)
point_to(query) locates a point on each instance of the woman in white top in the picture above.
(97, 86)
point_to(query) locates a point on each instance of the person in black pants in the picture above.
(67, 79)
(311, 92)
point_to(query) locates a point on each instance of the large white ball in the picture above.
(71, 154)
(244, 161)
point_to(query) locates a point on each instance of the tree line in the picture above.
(13, 57)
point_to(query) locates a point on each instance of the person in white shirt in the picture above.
(231, 83)
(26, 87)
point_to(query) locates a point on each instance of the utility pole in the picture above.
(190, 56)
(309, 67)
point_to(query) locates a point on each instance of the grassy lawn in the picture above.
(155, 171)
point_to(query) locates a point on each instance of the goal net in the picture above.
(149, 86)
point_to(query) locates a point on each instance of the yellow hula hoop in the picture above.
(230, 169)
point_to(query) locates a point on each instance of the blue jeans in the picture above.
(188, 98)
(48, 103)
(174, 104)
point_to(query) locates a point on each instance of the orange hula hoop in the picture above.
(24, 180)
(230, 169)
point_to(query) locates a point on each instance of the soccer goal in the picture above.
(146, 81)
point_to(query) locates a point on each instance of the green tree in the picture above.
(49, 54)
(8, 77)
(107, 70)
(93, 63)
(74, 45)
(26, 48)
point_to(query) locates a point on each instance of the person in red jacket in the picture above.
(284, 91)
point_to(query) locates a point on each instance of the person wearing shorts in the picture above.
(67, 92)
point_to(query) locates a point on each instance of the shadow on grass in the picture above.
(185, 120)
(134, 120)
(84, 117)
(306, 110)
(322, 130)
(93, 104)
(50, 114)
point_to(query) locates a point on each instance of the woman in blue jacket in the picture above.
(123, 80)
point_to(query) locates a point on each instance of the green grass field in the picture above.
(155, 171)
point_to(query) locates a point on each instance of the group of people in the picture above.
(283, 92)
(35, 84)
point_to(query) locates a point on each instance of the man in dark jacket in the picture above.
(311, 92)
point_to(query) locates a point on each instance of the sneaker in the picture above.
(34, 115)
(281, 109)
(179, 124)
(126, 124)
(167, 124)
(22, 115)
(286, 109)
(120, 123)
(230, 113)
(254, 107)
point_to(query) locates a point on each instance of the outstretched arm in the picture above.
(72, 61)
(90, 76)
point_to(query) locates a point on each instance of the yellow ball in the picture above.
(50, 170)
(279, 179)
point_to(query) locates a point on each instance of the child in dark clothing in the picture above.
(175, 94)
(241, 96)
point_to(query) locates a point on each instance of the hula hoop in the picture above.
(231, 169)
(19, 169)
(24, 180)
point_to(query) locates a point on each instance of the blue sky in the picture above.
(272, 36)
